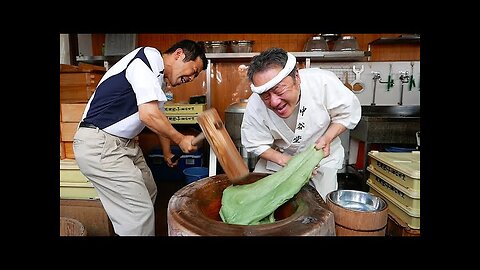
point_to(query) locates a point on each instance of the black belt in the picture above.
(87, 125)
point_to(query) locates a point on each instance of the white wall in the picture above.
(382, 96)
(64, 49)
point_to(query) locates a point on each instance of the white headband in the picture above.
(291, 62)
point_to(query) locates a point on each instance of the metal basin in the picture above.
(388, 124)
(357, 200)
(358, 213)
(390, 113)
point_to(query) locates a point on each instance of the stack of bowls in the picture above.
(241, 46)
(316, 43)
(215, 46)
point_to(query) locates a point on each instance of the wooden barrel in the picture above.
(71, 227)
(194, 211)
(355, 221)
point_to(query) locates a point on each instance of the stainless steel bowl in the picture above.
(346, 43)
(316, 43)
(241, 46)
(357, 200)
(215, 46)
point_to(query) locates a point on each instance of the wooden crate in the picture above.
(67, 131)
(78, 86)
(62, 150)
(71, 112)
(69, 150)
(90, 213)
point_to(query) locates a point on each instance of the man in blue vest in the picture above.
(129, 97)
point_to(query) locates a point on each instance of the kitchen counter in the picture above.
(386, 125)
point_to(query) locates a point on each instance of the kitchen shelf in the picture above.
(97, 58)
(320, 56)
(407, 39)
(104, 60)
(397, 40)
(324, 56)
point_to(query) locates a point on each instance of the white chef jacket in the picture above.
(324, 99)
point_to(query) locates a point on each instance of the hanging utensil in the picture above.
(357, 84)
(349, 86)
(376, 76)
(389, 79)
(390, 83)
(411, 83)
(404, 78)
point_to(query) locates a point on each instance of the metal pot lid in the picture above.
(237, 107)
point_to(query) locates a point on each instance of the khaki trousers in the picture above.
(117, 169)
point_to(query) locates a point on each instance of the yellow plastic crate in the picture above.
(182, 119)
(408, 197)
(403, 168)
(77, 191)
(183, 109)
(69, 172)
(412, 218)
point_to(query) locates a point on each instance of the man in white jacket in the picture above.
(291, 109)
